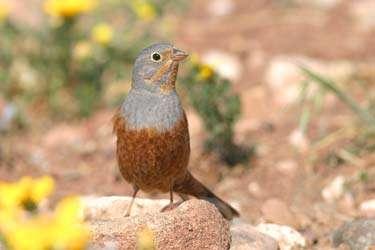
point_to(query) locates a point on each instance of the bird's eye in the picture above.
(156, 57)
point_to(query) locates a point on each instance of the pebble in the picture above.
(334, 190)
(227, 65)
(299, 140)
(287, 237)
(358, 234)
(367, 208)
(221, 7)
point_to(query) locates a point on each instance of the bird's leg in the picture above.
(172, 205)
(135, 191)
(184, 197)
(170, 196)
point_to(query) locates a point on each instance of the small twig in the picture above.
(334, 136)
(349, 157)
(364, 114)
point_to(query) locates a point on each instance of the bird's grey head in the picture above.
(155, 68)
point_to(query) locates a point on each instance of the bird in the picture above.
(153, 142)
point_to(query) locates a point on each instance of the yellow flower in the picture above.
(4, 10)
(102, 33)
(71, 232)
(144, 10)
(25, 192)
(205, 72)
(41, 188)
(68, 8)
(12, 194)
(145, 239)
(32, 233)
(82, 50)
(63, 229)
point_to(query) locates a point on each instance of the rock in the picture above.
(357, 234)
(334, 190)
(367, 208)
(225, 64)
(299, 140)
(221, 7)
(276, 211)
(245, 236)
(195, 224)
(114, 207)
(287, 237)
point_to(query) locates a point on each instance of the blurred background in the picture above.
(280, 98)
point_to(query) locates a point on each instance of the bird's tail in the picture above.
(192, 186)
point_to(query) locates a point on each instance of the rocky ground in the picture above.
(258, 45)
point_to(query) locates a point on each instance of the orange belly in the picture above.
(149, 159)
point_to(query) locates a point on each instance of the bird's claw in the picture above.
(171, 206)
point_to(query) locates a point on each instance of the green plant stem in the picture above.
(331, 86)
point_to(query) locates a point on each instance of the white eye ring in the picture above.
(156, 57)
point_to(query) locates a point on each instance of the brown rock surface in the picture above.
(195, 224)
(245, 236)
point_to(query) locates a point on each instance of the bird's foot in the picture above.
(171, 206)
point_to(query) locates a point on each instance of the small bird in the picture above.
(153, 144)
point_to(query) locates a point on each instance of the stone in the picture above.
(225, 64)
(221, 7)
(334, 190)
(299, 140)
(276, 211)
(245, 236)
(114, 207)
(367, 208)
(195, 224)
(287, 237)
(358, 234)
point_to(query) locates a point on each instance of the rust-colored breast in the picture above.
(150, 159)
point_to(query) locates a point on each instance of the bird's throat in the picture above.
(167, 73)
(170, 84)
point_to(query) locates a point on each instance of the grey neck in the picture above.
(145, 109)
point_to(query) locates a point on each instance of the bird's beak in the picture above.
(178, 55)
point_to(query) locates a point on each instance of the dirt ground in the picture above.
(80, 154)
